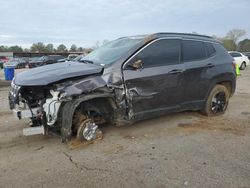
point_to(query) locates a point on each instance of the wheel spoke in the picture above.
(218, 103)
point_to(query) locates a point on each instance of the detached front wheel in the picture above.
(217, 101)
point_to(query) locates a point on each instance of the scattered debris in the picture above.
(39, 148)
(33, 130)
(186, 183)
(129, 137)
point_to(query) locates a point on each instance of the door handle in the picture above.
(209, 65)
(176, 71)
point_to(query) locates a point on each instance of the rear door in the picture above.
(155, 87)
(197, 57)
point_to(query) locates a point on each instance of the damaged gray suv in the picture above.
(124, 81)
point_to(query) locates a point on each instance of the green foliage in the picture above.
(229, 44)
(4, 48)
(73, 48)
(244, 45)
(15, 49)
(80, 49)
(50, 48)
(62, 48)
(38, 47)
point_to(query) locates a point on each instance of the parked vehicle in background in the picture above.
(45, 60)
(17, 63)
(78, 58)
(1, 64)
(247, 54)
(71, 57)
(240, 59)
(127, 80)
(4, 59)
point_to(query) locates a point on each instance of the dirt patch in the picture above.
(4, 113)
(128, 137)
(245, 113)
(217, 124)
(114, 149)
(77, 144)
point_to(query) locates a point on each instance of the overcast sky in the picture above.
(83, 22)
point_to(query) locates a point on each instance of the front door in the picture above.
(156, 86)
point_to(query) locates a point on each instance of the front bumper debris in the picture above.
(25, 113)
(33, 131)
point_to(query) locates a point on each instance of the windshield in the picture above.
(112, 51)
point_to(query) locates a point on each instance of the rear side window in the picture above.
(193, 50)
(160, 53)
(209, 49)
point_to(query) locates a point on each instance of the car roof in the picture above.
(176, 35)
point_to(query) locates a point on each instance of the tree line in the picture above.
(231, 42)
(47, 48)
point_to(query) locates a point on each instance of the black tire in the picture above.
(243, 66)
(217, 101)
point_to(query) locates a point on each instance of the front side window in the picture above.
(193, 50)
(160, 53)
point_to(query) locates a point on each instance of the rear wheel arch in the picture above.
(228, 85)
(218, 89)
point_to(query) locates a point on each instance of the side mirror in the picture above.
(136, 64)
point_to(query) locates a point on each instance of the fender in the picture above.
(218, 80)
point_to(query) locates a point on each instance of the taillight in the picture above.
(234, 65)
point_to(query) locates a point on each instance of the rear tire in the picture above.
(243, 66)
(217, 101)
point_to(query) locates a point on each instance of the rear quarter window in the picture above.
(210, 50)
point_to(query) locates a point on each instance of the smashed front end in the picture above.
(39, 103)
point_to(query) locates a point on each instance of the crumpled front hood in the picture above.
(48, 74)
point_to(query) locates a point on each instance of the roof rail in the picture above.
(187, 34)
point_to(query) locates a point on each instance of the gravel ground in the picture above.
(178, 150)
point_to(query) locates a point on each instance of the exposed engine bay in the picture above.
(33, 102)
